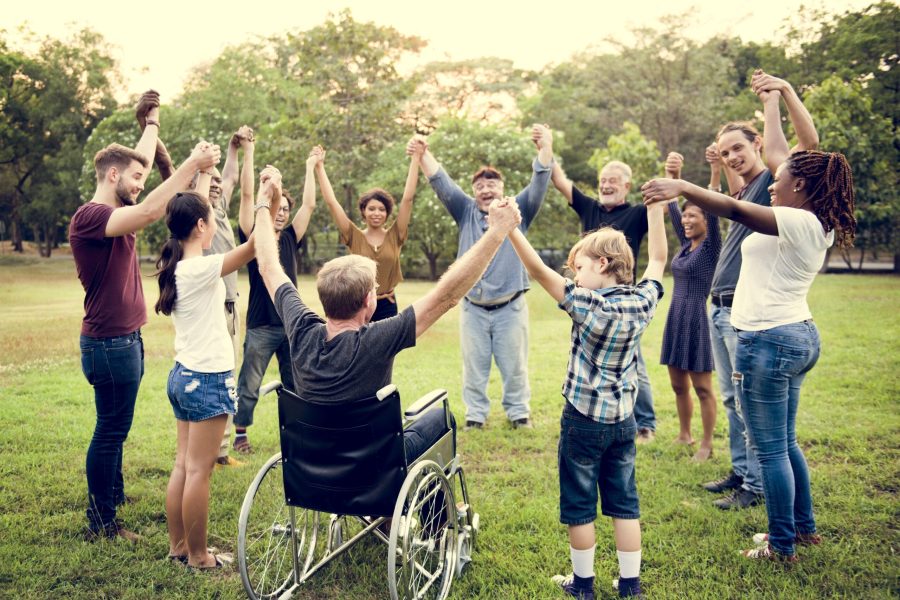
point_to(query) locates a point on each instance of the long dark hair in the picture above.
(182, 214)
(829, 186)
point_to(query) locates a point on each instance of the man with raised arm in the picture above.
(494, 315)
(102, 237)
(345, 357)
(265, 332)
(612, 210)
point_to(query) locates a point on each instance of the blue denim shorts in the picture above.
(596, 456)
(200, 396)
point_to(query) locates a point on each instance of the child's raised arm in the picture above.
(550, 280)
(657, 249)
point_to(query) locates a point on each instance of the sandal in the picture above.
(242, 445)
(183, 559)
(221, 561)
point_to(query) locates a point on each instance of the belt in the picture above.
(490, 307)
(723, 300)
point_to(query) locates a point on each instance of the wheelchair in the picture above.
(341, 475)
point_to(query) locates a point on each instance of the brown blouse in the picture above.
(386, 256)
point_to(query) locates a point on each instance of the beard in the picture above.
(123, 194)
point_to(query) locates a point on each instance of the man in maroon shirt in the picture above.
(102, 237)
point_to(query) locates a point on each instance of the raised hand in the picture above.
(504, 214)
(205, 155)
(242, 137)
(316, 155)
(712, 155)
(660, 190)
(541, 135)
(417, 146)
(147, 107)
(674, 162)
(767, 87)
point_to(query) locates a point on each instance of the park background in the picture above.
(358, 87)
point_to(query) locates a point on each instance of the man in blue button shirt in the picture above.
(494, 316)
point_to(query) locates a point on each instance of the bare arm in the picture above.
(657, 248)
(147, 112)
(468, 268)
(767, 86)
(756, 217)
(301, 220)
(775, 145)
(230, 173)
(163, 160)
(550, 280)
(561, 182)
(409, 194)
(334, 207)
(430, 165)
(245, 212)
(270, 268)
(128, 219)
(542, 137)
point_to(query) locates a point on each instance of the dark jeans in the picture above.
(260, 344)
(384, 308)
(424, 432)
(114, 366)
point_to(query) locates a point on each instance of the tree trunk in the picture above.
(897, 262)
(862, 256)
(17, 235)
(824, 268)
(432, 263)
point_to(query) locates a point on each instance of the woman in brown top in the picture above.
(378, 241)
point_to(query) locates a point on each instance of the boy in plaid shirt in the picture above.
(596, 445)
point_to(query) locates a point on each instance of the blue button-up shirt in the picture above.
(505, 275)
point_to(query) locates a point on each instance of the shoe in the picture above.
(183, 559)
(567, 584)
(111, 532)
(732, 481)
(801, 539)
(473, 425)
(228, 461)
(645, 436)
(633, 593)
(523, 423)
(767, 553)
(221, 561)
(739, 498)
(242, 444)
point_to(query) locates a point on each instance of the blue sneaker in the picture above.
(568, 584)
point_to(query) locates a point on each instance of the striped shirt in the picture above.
(601, 382)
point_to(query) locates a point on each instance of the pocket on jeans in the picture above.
(583, 445)
(95, 364)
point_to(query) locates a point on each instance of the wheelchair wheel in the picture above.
(422, 551)
(268, 532)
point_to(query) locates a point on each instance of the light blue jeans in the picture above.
(769, 368)
(643, 404)
(503, 335)
(724, 345)
(260, 344)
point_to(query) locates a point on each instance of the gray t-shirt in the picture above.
(352, 365)
(222, 243)
(728, 269)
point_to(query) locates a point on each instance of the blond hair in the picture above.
(118, 156)
(344, 283)
(612, 245)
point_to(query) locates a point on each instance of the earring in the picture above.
(796, 189)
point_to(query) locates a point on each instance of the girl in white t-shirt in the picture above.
(201, 385)
(778, 343)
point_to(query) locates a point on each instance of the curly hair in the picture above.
(829, 187)
(376, 194)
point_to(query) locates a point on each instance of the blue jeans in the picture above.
(769, 367)
(425, 431)
(114, 367)
(724, 344)
(643, 404)
(260, 344)
(503, 334)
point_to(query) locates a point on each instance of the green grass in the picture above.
(848, 426)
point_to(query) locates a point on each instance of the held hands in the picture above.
(541, 135)
(660, 190)
(270, 188)
(674, 162)
(417, 146)
(243, 137)
(767, 87)
(504, 214)
(147, 108)
(316, 156)
(712, 155)
(205, 155)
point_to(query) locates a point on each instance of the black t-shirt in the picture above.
(260, 310)
(629, 219)
(350, 366)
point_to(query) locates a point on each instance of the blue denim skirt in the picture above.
(199, 396)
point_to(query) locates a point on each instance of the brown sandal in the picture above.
(242, 445)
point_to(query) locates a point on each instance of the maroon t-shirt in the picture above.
(108, 270)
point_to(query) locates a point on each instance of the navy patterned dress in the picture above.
(686, 342)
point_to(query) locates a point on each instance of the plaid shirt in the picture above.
(607, 324)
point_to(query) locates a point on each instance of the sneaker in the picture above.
(766, 552)
(228, 461)
(473, 425)
(567, 584)
(633, 592)
(739, 498)
(801, 539)
(732, 481)
(523, 423)
(645, 436)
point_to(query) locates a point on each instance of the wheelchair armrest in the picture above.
(385, 392)
(423, 403)
(272, 386)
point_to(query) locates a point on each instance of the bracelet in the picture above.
(714, 188)
(152, 122)
(206, 173)
(259, 205)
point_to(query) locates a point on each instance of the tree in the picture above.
(632, 148)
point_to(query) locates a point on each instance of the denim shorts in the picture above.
(200, 396)
(596, 456)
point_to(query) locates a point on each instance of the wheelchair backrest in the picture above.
(342, 458)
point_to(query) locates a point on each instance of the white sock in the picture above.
(583, 561)
(629, 564)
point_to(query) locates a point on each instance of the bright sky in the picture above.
(159, 43)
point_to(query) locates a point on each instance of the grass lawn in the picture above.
(849, 426)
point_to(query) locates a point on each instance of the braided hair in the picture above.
(829, 187)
